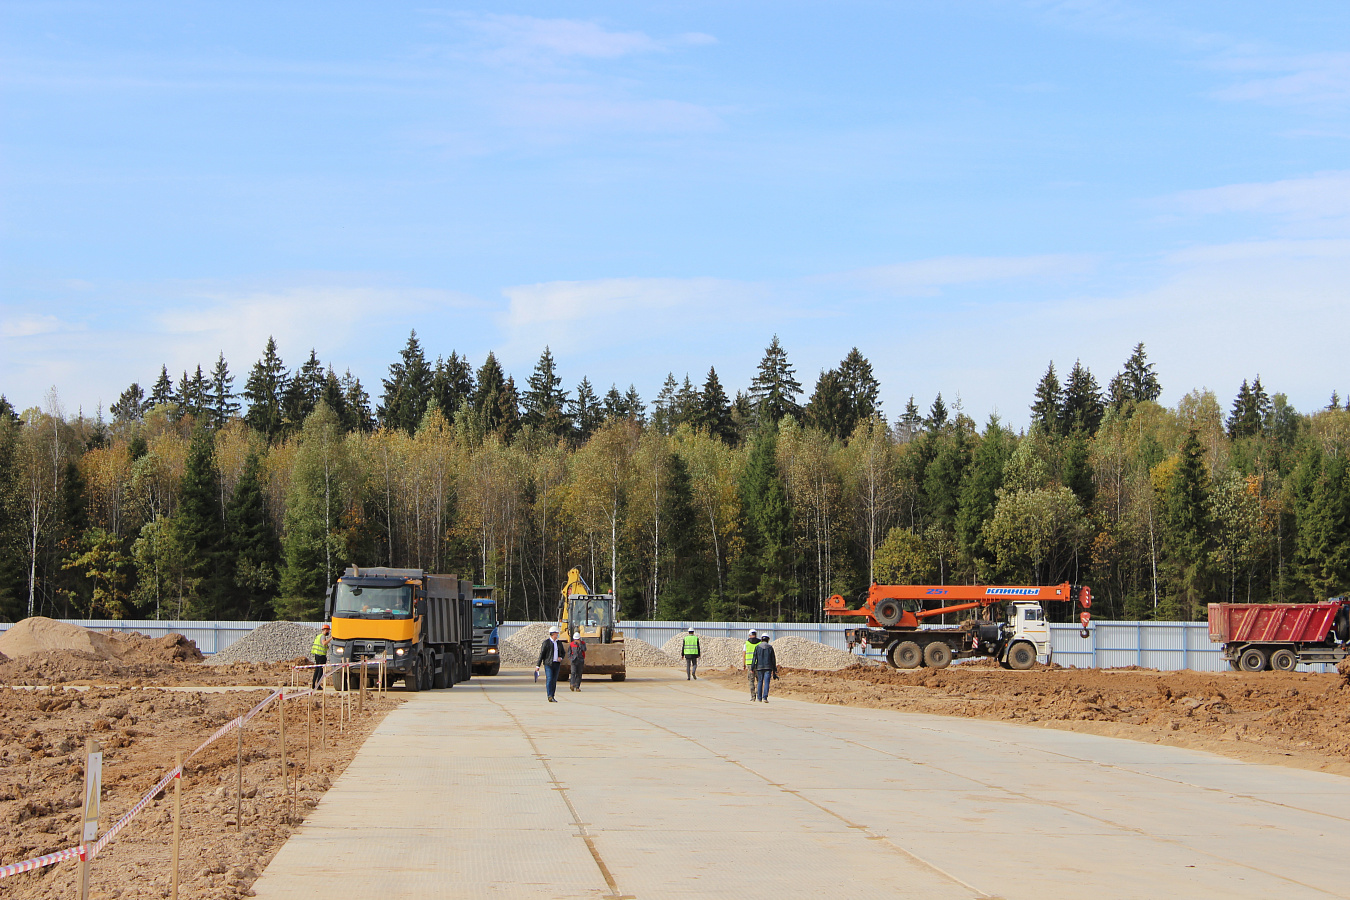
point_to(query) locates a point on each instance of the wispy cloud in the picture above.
(1310, 80)
(23, 326)
(1321, 200)
(926, 277)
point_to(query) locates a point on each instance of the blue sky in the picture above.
(963, 190)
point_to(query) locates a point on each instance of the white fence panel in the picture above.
(1150, 645)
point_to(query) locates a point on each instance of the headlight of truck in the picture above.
(492, 649)
(337, 651)
(399, 652)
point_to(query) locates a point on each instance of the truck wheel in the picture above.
(494, 668)
(1283, 660)
(618, 676)
(906, 655)
(1021, 656)
(1233, 664)
(413, 680)
(888, 612)
(937, 655)
(438, 678)
(1253, 659)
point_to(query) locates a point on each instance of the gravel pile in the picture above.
(271, 642)
(717, 652)
(641, 655)
(521, 649)
(799, 653)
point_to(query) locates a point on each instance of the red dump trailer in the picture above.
(1279, 636)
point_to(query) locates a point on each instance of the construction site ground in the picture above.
(662, 787)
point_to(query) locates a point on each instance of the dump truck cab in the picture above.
(486, 648)
(417, 625)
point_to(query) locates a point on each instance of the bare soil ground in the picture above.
(1300, 720)
(139, 726)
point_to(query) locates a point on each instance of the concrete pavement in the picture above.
(659, 787)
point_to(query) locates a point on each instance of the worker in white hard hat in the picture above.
(751, 641)
(576, 660)
(692, 651)
(551, 657)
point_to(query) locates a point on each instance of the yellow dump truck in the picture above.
(419, 624)
(595, 616)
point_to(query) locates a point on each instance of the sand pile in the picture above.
(40, 636)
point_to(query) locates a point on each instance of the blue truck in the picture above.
(487, 658)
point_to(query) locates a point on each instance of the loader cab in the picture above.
(592, 615)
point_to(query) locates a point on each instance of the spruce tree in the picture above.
(684, 583)
(223, 404)
(585, 411)
(937, 414)
(712, 411)
(199, 530)
(1137, 382)
(263, 390)
(910, 422)
(451, 384)
(255, 552)
(769, 517)
(357, 404)
(545, 402)
(1187, 538)
(614, 405)
(1241, 420)
(634, 406)
(1045, 412)
(829, 408)
(979, 489)
(1082, 408)
(775, 389)
(663, 408)
(336, 399)
(407, 390)
(162, 393)
(861, 390)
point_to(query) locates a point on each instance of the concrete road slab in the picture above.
(660, 787)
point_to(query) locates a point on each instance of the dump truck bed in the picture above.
(1268, 623)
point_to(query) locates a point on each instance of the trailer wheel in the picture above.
(888, 612)
(906, 655)
(937, 655)
(1253, 659)
(1283, 660)
(1021, 656)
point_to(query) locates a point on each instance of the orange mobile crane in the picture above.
(896, 615)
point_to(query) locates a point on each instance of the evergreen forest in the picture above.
(203, 499)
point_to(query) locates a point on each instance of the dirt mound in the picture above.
(40, 634)
(1285, 718)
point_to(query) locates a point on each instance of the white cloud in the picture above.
(1313, 80)
(1321, 198)
(24, 326)
(927, 276)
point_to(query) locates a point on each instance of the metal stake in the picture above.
(177, 822)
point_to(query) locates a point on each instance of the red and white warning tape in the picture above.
(78, 852)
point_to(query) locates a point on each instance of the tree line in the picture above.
(197, 501)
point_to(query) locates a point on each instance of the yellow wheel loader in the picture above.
(594, 615)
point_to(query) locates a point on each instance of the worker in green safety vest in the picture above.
(751, 641)
(320, 652)
(692, 651)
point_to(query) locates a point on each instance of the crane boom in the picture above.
(902, 605)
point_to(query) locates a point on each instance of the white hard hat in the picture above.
(691, 631)
(576, 635)
(751, 631)
(553, 630)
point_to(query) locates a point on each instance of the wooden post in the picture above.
(323, 720)
(177, 823)
(281, 736)
(93, 790)
(361, 701)
(309, 731)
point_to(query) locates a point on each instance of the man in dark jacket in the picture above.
(550, 657)
(766, 667)
(576, 660)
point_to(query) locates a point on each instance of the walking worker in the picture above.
(692, 651)
(576, 659)
(551, 657)
(766, 667)
(750, 642)
(320, 652)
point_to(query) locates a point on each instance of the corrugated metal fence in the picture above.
(1152, 645)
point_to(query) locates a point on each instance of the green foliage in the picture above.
(775, 389)
(408, 389)
(255, 552)
(904, 558)
(314, 543)
(199, 532)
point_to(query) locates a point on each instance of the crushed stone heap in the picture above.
(268, 643)
(718, 652)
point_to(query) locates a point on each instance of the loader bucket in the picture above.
(601, 659)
